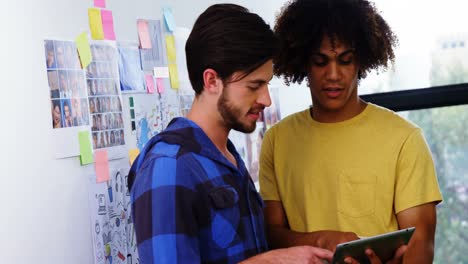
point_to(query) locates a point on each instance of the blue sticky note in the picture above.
(169, 18)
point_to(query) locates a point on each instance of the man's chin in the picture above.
(245, 128)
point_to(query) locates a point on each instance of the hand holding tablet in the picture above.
(384, 246)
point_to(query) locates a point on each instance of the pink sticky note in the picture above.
(160, 85)
(101, 165)
(108, 24)
(149, 83)
(143, 34)
(100, 3)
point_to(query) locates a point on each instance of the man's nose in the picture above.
(264, 97)
(333, 71)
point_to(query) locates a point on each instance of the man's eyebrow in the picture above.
(318, 53)
(259, 81)
(346, 52)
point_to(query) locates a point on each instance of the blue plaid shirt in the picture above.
(190, 204)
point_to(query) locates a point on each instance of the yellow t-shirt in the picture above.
(354, 175)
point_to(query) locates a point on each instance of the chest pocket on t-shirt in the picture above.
(226, 215)
(356, 192)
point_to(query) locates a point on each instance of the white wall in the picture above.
(44, 204)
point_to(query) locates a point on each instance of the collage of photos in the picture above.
(67, 84)
(105, 104)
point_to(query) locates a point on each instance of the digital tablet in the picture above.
(383, 245)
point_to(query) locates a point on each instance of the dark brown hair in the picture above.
(228, 38)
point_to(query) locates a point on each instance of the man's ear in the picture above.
(211, 81)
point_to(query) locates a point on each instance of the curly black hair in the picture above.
(302, 24)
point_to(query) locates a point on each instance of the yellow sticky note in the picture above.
(170, 47)
(174, 75)
(86, 152)
(95, 23)
(133, 154)
(84, 50)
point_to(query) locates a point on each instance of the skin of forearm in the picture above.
(421, 252)
(280, 237)
(302, 254)
(270, 257)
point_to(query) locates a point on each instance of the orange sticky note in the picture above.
(95, 23)
(160, 85)
(143, 34)
(108, 24)
(101, 165)
(149, 83)
(133, 154)
(84, 50)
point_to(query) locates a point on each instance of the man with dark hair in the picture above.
(192, 197)
(344, 168)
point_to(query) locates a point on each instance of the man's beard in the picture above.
(232, 115)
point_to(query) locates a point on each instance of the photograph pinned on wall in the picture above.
(113, 232)
(147, 117)
(80, 113)
(105, 100)
(68, 96)
(66, 82)
(56, 114)
(61, 55)
(67, 120)
(154, 56)
(129, 66)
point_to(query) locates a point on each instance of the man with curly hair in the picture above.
(344, 168)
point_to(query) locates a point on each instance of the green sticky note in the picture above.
(84, 50)
(131, 101)
(86, 152)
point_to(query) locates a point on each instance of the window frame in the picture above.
(423, 98)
